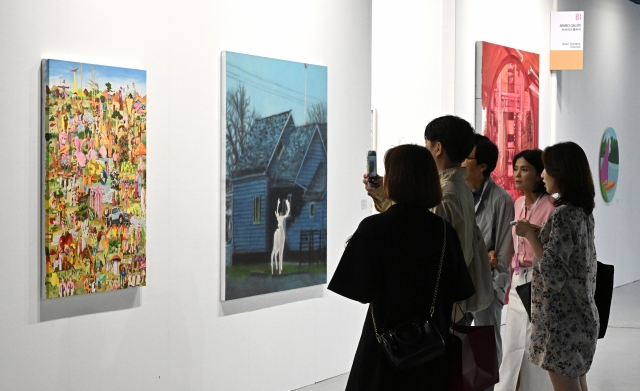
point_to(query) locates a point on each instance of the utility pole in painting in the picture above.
(305, 94)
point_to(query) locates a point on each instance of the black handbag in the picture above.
(524, 291)
(416, 342)
(602, 295)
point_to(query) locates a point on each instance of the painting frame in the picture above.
(284, 155)
(507, 104)
(92, 178)
(608, 175)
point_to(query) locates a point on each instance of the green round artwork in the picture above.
(609, 162)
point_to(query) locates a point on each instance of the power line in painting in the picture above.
(270, 87)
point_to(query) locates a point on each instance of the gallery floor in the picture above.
(616, 362)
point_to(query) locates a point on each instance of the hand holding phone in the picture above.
(372, 167)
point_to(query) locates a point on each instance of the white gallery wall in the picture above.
(174, 334)
(606, 93)
(423, 59)
(410, 79)
(411, 60)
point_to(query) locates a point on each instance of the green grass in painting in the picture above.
(245, 270)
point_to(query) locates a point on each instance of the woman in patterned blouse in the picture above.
(564, 317)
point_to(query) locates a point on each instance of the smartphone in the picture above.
(372, 169)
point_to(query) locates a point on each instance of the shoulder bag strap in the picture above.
(435, 293)
(444, 246)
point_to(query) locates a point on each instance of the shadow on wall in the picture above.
(559, 88)
(52, 309)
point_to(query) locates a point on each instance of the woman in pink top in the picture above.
(516, 372)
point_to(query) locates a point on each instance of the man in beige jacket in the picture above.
(450, 139)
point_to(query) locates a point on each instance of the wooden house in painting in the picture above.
(280, 161)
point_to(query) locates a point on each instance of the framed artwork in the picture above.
(608, 163)
(507, 104)
(274, 115)
(94, 149)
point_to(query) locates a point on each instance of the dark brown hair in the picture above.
(454, 133)
(486, 153)
(533, 157)
(567, 164)
(411, 177)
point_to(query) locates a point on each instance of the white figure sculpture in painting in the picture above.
(278, 239)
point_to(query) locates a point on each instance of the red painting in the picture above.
(507, 104)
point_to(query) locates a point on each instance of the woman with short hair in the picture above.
(392, 262)
(564, 316)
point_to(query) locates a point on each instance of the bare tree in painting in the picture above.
(317, 113)
(240, 118)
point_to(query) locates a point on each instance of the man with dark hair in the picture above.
(455, 136)
(494, 212)
(450, 140)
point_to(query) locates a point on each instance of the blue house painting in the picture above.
(280, 161)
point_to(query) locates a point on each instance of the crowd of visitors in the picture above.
(450, 247)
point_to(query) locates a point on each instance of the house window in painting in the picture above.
(312, 209)
(280, 149)
(256, 210)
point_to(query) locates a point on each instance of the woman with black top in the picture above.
(392, 262)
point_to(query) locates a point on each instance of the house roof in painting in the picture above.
(318, 185)
(294, 151)
(261, 143)
(323, 133)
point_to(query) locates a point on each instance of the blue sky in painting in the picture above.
(118, 77)
(277, 85)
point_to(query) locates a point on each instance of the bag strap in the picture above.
(444, 246)
(435, 293)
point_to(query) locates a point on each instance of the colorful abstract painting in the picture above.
(609, 162)
(275, 169)
(94, 172)
(507, 102)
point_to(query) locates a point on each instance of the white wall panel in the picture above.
(606, 94)
(407, 73)
(173, 334)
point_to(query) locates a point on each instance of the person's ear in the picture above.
(482, 167)
(439, 148)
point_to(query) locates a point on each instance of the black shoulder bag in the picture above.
(602, 296)
(413, 343)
